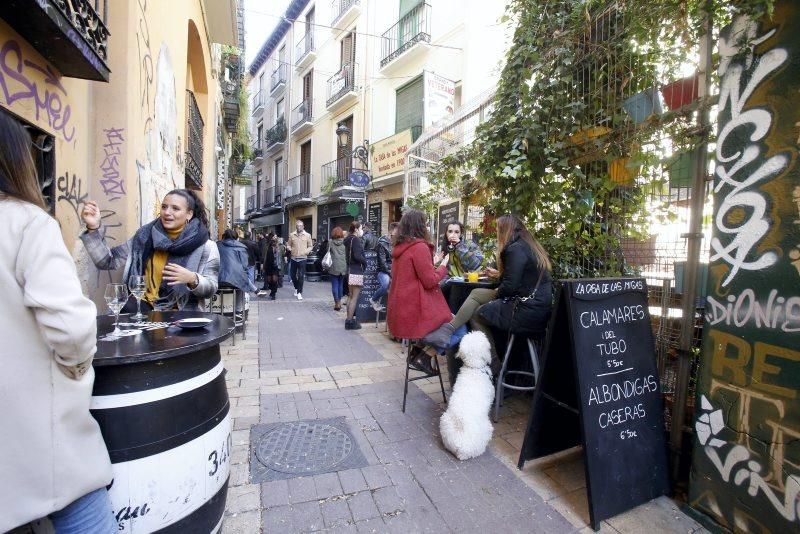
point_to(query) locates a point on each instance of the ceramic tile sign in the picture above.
(599, 388)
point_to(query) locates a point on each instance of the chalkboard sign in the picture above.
(599, 387)
(374, 216)
(364, 310)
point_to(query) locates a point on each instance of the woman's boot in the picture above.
(421, 361)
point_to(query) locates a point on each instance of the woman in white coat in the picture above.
(54, 461)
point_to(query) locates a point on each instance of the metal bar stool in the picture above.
(233, 291)
(504, 371)
(409, 347)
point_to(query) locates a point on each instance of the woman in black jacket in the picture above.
(521, 303)
(356, 263)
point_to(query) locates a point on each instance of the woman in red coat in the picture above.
(416, 305)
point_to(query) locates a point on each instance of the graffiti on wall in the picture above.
(25, 82)
(112, 182)
(145, 57)
(72, 192)
(746, 463)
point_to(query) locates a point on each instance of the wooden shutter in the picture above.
(347, 55)
(409, 106)
(305, 158)
(308, 86)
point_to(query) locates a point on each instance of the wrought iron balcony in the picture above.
(341, 83)
(302, 114)
(276, 134)
(273, 197)
(298, 189)
(278, 77)
(194, 143)
(304, 48)
(258, 152)
(336, 174)
(250, 204)
(70, 34)
(413, 28)
(340, 7)
(258, 101)
(230, 104)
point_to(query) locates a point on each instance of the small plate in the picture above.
(193, 322)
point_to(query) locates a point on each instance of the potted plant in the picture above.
(681, 92)
(680, 169)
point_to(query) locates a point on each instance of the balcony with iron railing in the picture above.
(258, 150)
(250, 204)
(194, 143)
(342, 88)
(412, 32)
(278, 79)
(298, 190)
(302, 118)
(70, 34)
(273, 197)
(343, 12)
(257, 104)
(275, 136)
(336, 174)
(305, 51)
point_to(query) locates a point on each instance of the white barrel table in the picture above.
(162, 405)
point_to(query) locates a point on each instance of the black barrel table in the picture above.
(162, 406)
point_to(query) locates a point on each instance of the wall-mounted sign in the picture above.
(389, 154)
(439, 96)
(359, 178)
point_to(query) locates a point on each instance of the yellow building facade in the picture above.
(124, 143)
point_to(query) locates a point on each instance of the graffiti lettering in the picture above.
(738, 463)
(739, 82)
(145, 59)
(776, 313)
(18, 80)
(70, 191)
(113, 184)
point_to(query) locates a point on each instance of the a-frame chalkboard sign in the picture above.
(599, 388)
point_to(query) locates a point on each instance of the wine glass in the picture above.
(116, 297)
(138, 287)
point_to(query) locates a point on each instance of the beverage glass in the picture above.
(472, 277)
(138, 287)
(116, 297)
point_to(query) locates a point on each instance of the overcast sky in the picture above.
(260, 18)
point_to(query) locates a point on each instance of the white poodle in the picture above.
(465, 426)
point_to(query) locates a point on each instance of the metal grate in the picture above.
(304, 448)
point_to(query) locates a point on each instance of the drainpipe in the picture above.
(694, 241)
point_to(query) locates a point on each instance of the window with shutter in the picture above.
(409, 107)
(305, 158)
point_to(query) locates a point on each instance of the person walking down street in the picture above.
(299, 246)
(369, 238)
(233, 268)
(416, 305)
(264, 243)
(384, 252)
(356, 263)
(338, 269)
(174, 253)
(253, 256)
(281, 261)
(521, 303)
(55, 462)
(272, 270)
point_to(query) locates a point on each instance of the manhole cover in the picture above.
(303, 447)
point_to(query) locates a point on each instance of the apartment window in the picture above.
(310, 21)
(305, 158)
(282, 56)
(409, 109)
(279, 110)
(258, 189)
(408, 5)
(278, 176)
(347, 53)
(261, 84)
(308, 86)
(259, 134)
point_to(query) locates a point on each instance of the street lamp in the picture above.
(361, 152)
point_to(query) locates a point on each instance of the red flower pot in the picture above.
(681, 92)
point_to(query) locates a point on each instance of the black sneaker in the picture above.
(348, 324)
(356, 325)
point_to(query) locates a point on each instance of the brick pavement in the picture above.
(412, 484)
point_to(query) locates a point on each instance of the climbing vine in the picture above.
(561, 149)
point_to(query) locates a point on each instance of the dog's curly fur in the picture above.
(465, 427)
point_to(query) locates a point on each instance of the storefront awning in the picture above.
(268, 220)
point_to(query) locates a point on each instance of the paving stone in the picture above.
(371, 526)
(307, 517)
(278, 519)
(244, 523)
(352, 481)
(362, 506)
(275, 493)
(376, 477)
(335, 513)
(327, 485)
(242, 498)
(387, 500)
(302, 489)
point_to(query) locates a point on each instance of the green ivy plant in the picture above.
(547, 151)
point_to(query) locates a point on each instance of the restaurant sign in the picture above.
(389, 154)
(245, 177)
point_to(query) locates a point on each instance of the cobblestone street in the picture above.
(299, 364)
